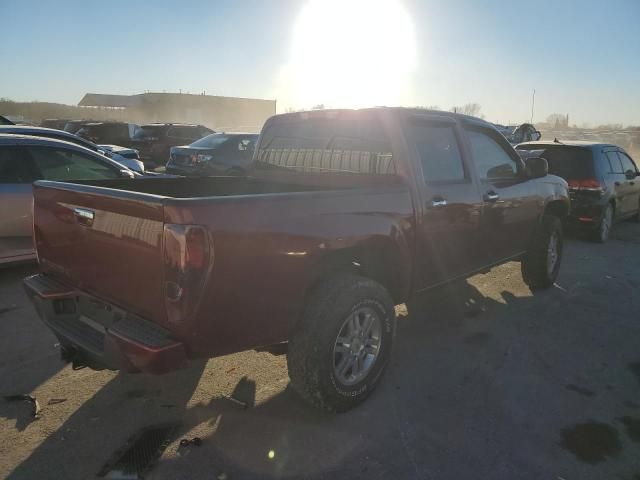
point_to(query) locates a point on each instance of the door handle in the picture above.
(438, 202)
(84, 216)
(491, 196)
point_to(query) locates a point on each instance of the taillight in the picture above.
(197, 248)
(187, 259)
(590, 184)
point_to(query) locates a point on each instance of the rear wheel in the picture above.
(541, 264)
(341, 348)
(601, 235)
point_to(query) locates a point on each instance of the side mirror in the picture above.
(630, 174)
(537, 135)
(127, 174)
(536, 167)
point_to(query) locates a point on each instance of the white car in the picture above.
(123, 155)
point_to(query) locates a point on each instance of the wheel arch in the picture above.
(558, 207)
(380, 258)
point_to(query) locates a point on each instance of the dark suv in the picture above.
(154, 140)
(72, 126)
(109, 133)
(602, 180)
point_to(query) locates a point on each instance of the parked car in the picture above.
(109, 133)
(129, 157)
(345, 214)
(602, 179)
(215, 154)
(519, 133)
(72, 126)
(155, 140)
(124, 156)
(57, 123)
(25, 158)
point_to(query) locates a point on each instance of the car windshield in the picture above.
(211, 141)
(568, 162)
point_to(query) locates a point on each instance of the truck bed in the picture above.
(200, 187)
(116, 242)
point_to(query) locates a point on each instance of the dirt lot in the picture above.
(488, 382)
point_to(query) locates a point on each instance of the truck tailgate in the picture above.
(107, 243)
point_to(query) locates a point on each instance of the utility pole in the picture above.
(533, 102)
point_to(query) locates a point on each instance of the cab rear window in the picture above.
(320, 143)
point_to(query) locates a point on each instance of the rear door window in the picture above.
(59, 164)
(627, 163)
(614, 162)
(493, 162)
(184, 133)
(15, 165)
(438, 152)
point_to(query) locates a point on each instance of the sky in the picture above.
(582, 58)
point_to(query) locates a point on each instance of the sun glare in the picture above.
(351, 53)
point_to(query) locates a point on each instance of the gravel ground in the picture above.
(488, 381)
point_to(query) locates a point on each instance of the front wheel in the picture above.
(541, 264)
(341, 348)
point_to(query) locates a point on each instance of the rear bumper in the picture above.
(585, 216)
(116, 340)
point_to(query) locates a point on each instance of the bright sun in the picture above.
(351, 53)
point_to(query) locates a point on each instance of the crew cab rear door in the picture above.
(448, 213)
(511, 204)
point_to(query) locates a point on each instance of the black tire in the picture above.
(536, 270)
(602, 233)
(311, 357)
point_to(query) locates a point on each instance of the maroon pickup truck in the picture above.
(345, 214)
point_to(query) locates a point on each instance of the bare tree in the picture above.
(556, 120)
(472, 109)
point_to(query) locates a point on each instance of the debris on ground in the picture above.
(139, 453)
(35, 410)
(55, 401)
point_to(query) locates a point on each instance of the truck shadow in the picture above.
(284, 438)
(437, 362)
(103, 424)
(28, 356)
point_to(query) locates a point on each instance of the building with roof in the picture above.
(218, 113)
